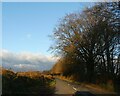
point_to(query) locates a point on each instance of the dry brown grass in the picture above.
(29, 74)
(26, 83)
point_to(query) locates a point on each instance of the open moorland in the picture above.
(25, 83)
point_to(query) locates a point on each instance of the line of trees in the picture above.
(89, 44)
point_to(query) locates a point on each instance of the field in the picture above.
(27, 83)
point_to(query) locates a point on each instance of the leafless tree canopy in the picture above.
(89, 43)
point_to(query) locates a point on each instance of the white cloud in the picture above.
(26, 61)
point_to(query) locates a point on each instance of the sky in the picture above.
(58, 0)
(25, 32)
(26, 26)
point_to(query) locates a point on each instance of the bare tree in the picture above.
(89, 41)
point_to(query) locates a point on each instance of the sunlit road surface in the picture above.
(64, 88)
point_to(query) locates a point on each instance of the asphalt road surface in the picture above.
(64, 88)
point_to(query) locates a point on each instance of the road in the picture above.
(64, 88)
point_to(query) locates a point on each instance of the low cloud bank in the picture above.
(26, 61)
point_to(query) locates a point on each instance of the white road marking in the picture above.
(75, 88)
